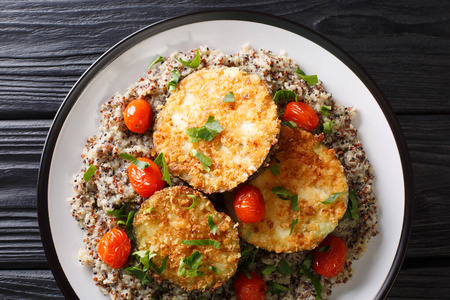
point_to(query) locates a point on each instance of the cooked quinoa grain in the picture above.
(109, 188)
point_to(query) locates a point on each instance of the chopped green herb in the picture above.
(325, 248)
(214, 269)
(284, 95)
(275, 168)
(161, 161)
(284, 268)
(212, 225)
(161, 268)
(173, 83)
(304, 271)
(194, 201)
(332, 198)
(268, 269)
(89, 173)
(189, 265)
(275, 288)
(206, 242)
(207, 132)
(138, 163)
(294, 222)
(149, 210)
(352, 206)
(247, 260)
(192, 64)
(204, 160)
(120, 213)
(325, 110)
(157, 60)
(284, 194)
(280, 112)
(144, 258)
(129, 225)
(310, 79)
(228, 97)
(327, 127)
(140, 273)
(289, 124)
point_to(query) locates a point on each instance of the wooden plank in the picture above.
(46, 47)
(28, 284)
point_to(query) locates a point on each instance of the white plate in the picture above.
(126, 62)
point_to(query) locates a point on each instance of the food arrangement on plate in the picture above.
(222, 176)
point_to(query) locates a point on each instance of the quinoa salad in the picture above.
(108, 190)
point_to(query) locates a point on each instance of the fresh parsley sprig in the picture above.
(284, 194)
(189, 265)
(192, 64)
(275, 168)
(207, 132)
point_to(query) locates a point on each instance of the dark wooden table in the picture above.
(46, 45)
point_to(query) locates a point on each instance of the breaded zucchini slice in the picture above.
(311, 171)
(250, 128)
(168, 218)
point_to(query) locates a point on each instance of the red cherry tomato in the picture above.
(249, 204)
(146, 182)
(138, 116)
(250, 289)
(114, 248)
(302, 115)
(329, 263)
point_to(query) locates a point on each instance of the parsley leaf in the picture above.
(284, 95)
(247, 260)
(205, 242)
(327, 127)
(161, 268)
(289, 124)
(284, 194)
(189, 265)
(268, 269)
(192, 64)
(129, 225)
(157, 60)
(207, 132)
(89, 173)
(310, 79)
(120, 213)
(214, 269)
(284, 268)
(324, 109)
(332, 198)
(204, 160)
(228, 97)
(144, 258)
(138, 163)
(352, 206)
(275, 168)
(275, 288)
(212, 225)
(294, 222)
(160, 160)
(173, 83)
(304, 271)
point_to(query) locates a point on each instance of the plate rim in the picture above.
(214, 15)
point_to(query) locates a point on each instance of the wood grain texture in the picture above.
(46, 45)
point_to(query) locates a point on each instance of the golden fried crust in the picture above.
(312, 171)
(250, 127)
(169, 222)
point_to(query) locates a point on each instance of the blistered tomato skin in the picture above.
(114, 248)
(330, 263)
(146, 182)
(250, 289)
(249, 204)
(138, 116)
(302, 115)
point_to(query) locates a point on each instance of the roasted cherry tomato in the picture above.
(249, 204)
(138, 116)
(114, 248)
(302, 115)
(250, 289)
(146, 182)
(330, 262)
